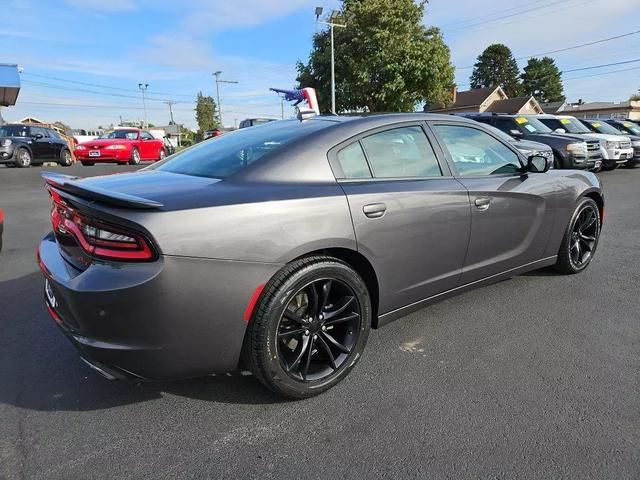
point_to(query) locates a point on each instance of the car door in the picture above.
(511, 218)
(411, 217)
(41, 147)
(57, 143)
(148, 146)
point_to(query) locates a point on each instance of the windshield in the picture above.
(603, 127)
(121, 134)
(533, 125)
(14, 131)
(223, 156)
(631, 128)
(573, 125)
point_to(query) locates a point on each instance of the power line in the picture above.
(97, 85)
(601, 73)
(566, 49)
(446, 25)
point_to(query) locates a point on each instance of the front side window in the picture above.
(38, 130)
(401, 153)
(352, 163)
(147, 136)
(476, 153)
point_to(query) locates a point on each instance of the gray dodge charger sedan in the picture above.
(277, 248)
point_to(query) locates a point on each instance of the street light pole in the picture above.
(218, 82)
(332, 23)
(143, 87)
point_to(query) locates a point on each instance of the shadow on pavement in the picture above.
(41, 370)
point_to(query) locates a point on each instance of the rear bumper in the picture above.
(173, 318)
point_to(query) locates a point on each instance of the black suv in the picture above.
(25, 145)
(570, 151)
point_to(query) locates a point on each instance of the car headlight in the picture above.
(543, 153)
(578, 147)
(635, 144)
(611, 145)
(6, 142)
(116, 147)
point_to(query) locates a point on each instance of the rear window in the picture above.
(221, 157)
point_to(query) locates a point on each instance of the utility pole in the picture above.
(218, 82)
(171, 104)
(143, 88)
(332, 23)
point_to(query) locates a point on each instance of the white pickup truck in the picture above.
(616, 150)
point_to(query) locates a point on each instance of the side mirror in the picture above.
(38, 136)
(559, 130)
(516, 133)
(538, 164)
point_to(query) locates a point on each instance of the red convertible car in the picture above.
(122, 145)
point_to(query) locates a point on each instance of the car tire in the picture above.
(23, 158)
(88, 164)
(135, 157)
(299, 358)
(580, 239)
(66, 159)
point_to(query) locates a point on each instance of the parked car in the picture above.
(169, 149)
(615, 150)
(251, 122)
(1, 227)
(215, 132)
(24, 145)
(526, 147)
(273, 248)
(600, 126)
(569, 151)
(122, 146)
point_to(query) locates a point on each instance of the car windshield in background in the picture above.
(573, 125)
(533, 125)
(603, 127)
(500, 134)
(631, 128)
(14, 131)
(121, 134)
(223, 156)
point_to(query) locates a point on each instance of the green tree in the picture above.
(385, 59)
(497, 67)
(543, 80)
(206, 113)
(635, 97)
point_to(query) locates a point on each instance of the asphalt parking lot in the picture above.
(534, 377)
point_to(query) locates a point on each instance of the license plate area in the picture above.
(94, 153)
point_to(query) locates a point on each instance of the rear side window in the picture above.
(352, 162)
(221, 157)
(476, 153)
(401, 153)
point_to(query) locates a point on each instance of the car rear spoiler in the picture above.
(69, 184)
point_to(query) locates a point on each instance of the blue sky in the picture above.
(109, 46)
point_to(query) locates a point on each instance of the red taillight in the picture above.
(98, 238)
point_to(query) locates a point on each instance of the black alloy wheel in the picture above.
(309, 327)
(581, 238)
(318, 329)
(584, 236)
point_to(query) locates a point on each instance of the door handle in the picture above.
(483, 203)
(374, 210)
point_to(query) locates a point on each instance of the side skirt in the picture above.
(403, 311)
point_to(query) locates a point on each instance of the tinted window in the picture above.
(223, 156)
(352, 162)
(147, 136)
(14, 131)
(506, 125)
(38, 130)
(54, 134)
(401, 152)
(475, 152)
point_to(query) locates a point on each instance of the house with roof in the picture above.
(603, 110)
(488, 99)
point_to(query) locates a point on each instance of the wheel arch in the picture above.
(362, 266)
(598, 198)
